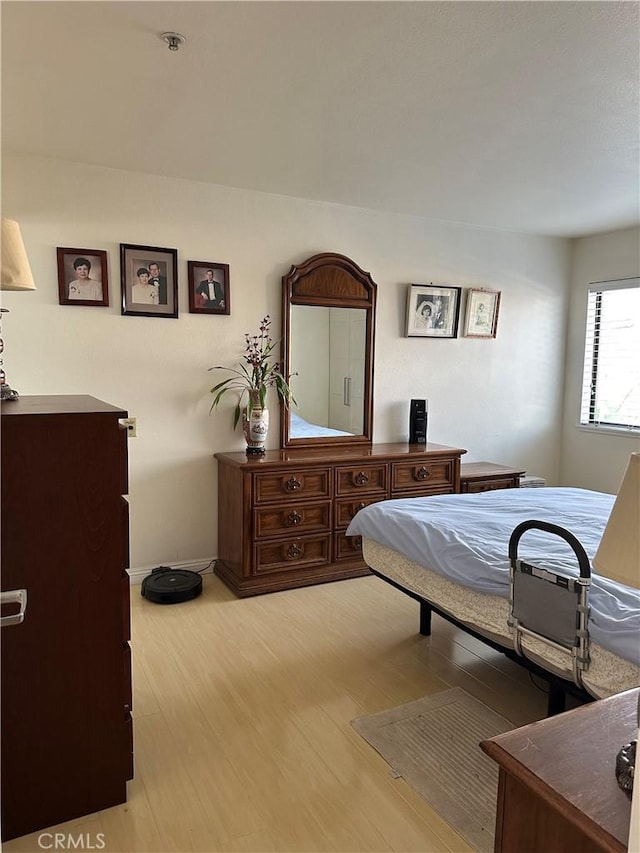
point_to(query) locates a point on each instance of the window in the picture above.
(611, 379)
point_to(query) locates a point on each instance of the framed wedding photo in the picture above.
(481, 316)
(432, 312)
(82, 277)
(208, 288)
(149, 281)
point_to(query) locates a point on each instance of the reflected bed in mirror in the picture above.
(328, 322)
(299, 428)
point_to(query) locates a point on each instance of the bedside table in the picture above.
(485, 476)
(557, 789)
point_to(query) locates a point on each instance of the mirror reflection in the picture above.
(328, 349)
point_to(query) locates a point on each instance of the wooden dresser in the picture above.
(67, 742)
(282, 517)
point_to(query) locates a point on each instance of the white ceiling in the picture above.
(516, 115)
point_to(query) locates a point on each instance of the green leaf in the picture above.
(217, 398)
(222, 384)
(236, 416)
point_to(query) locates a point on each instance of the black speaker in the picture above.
(418, 422)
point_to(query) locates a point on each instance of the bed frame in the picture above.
(559, 688)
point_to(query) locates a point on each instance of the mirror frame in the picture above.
(329, 280)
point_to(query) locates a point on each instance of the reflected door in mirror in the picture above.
(347, 329)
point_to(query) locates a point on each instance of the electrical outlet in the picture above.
(132, 427)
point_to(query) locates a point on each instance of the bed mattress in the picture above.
(487, 614)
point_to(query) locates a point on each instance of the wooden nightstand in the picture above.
(557, 790)
(485, 476)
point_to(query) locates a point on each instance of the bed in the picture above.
(450, 552)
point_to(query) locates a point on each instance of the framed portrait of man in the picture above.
(149, 281)
(82, 277)
(208, 288)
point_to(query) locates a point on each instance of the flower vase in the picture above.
(255, 425)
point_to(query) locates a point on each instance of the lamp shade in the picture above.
(618, 555)
(16, 272)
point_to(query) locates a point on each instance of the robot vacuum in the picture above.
(171, 586)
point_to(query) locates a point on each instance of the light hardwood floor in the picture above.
(242, 712)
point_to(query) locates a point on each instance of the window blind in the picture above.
(611, 378)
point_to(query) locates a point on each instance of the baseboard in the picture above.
(205, 566)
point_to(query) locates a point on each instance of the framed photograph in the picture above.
(432, 312)
(149, 281)
(481, 316)
(82, 277)
(208, 288)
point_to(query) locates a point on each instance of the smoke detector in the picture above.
(173, 40)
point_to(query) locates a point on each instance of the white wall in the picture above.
(590, 459)
(500, 398)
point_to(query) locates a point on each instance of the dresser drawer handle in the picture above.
(361, 479)
(295, 551)
(294, 518)
(358, 507)
(355, 543)
(422, 473)
(14, 596)
(293, 484)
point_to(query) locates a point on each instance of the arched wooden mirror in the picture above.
(328, 335)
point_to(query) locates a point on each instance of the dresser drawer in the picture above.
(127, 698)
(347, 508)
(473, 486)
(347, 547)
(123, 461)
(124, 532)
(125, 592)
(291, 519)
(362, 478)
(292, 485)
(422, 475)
(128, 747)
(292, 554)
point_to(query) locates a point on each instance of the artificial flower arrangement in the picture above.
(258, 371)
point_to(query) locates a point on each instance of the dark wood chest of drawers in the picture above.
(67, 738)
(282, 517)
